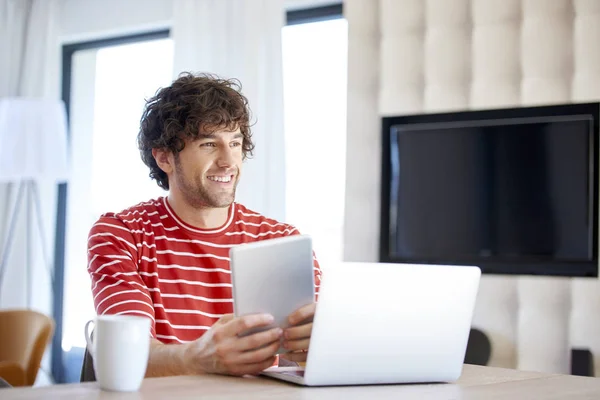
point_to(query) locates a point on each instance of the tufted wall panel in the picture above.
(412, 56)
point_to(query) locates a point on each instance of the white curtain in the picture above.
(29, 48)
(29, 66)
(242, 39)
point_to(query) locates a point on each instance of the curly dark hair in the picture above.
(193, 104)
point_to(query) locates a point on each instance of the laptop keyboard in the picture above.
(293, 373)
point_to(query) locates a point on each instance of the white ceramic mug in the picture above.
(120, 348)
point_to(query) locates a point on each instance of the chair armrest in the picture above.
(12, 373)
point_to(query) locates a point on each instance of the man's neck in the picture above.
(198, 217)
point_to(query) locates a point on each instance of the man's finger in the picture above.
(259, 339)
(296, 344)
(304, 313)
(247, 322)
(298, 332)
(258, 356)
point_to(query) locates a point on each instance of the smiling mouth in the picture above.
(221, 179)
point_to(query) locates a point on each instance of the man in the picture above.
(167, 259)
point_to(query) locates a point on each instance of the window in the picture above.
(314, 73)
(108, 86)
(125, 76)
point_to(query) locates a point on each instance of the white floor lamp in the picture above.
(33, 148)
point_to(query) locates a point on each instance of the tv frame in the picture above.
(554, 268)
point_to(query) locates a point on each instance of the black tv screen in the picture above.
(513, 191)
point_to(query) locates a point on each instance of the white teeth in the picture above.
(220, 178)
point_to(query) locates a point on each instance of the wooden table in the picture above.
(475, 383)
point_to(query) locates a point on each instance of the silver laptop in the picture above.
(382, 323)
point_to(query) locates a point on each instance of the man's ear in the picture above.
(164, 160)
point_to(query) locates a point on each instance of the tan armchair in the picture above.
(24, 336)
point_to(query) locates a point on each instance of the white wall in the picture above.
(83, 20)
(410, 56)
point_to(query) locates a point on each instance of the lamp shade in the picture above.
(33, 139)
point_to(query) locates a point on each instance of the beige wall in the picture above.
(410, 56)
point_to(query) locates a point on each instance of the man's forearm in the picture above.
(168, 360)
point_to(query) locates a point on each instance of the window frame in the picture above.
(314, 14)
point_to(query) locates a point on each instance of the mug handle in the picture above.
(88, 338)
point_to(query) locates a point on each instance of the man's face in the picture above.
(207, 170)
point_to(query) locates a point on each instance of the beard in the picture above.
(197, 194)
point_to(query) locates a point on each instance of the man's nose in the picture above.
(225, 158)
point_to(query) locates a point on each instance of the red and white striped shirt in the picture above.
(147, 261)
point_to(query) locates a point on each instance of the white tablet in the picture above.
(273, 276)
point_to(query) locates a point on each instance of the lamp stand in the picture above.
(27, 190)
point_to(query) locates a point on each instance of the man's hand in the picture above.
(220, 350)
(297, 336)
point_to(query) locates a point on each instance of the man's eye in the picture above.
(208, 144)
(236, 144)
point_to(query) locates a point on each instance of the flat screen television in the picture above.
(513, 191)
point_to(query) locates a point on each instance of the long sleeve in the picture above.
(117, 284)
